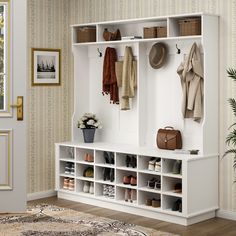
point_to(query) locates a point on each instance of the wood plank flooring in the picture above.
(212, 227)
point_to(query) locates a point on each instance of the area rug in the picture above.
(52, 220)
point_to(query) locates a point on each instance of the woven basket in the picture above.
(86, 34)
(161, 32)
(149, 32)
(190, 26)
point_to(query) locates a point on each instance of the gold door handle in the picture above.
(19, 106)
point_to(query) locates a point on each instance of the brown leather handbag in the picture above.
(169, 138)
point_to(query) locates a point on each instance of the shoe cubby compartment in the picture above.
(148, 164)
(148, 199)
(105, 158)
(67, 153)
(82, 168)
(85, 186)
(105, 191)
(65, 169)
(123, 178)
(82, 153)
(172, 167)
(126, 161)
(172, 204)
(105, 174)
(172, 186)
(67, 187)
(126, 195)
(148, 182)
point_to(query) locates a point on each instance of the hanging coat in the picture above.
(190, 72)
(129, 82)
(109, 83)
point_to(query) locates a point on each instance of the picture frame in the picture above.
(46, 66)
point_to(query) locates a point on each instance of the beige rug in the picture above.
(56, 221)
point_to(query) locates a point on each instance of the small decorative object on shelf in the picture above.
(88, 123)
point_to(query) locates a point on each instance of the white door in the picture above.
(13, 62)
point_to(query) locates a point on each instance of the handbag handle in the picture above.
(168, 127)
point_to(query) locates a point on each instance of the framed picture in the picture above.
(46, 66)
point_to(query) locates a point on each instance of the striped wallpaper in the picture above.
(50, 108)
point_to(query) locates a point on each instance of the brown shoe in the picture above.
(156, 202)
(127, 179)
(133, 181)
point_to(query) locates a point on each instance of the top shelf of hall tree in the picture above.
(173, 27)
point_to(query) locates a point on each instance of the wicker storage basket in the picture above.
(86, 34)
(161, 32)
(149, 32)
(190, 26)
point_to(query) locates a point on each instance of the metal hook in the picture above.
(178, 50)
(99, 53)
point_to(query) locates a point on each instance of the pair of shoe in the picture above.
(109, 157)
(177, 206)
(131, 161)
(177, 167)
(88, 172)
(108, 174)
(154, 164)
(153, 202)
(178, 188)
(88, 157)
(69, 184)
(130, 195)
(69, 168)
(154, 184)
(129, 179)
(108, 191)
(88, 187)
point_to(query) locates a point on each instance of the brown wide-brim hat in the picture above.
(157, 55)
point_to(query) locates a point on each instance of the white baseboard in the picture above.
(38, 195)
(230, 215)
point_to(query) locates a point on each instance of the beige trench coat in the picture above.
(191, 75)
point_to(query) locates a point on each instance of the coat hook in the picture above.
(99, 53)
(178, 50)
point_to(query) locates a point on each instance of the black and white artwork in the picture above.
(46, 66)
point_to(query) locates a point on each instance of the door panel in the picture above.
(12, 131)
(5, 159)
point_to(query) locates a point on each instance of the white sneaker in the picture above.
(86, 187)
(158, 166)
(91, 188)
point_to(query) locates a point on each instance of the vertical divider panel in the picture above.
(141, 93)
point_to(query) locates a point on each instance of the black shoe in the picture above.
(177, 206)
(111, 158)
(112, 175)
(133, 162)
(127, 160)
(106, 157)
(106, 174)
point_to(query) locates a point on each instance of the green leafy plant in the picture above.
(231, 137)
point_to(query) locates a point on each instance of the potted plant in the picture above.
(89, 123)
(231, 137)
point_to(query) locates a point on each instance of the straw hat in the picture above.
(157, 55)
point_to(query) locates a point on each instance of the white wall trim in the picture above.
(38, 195)
(230, 215)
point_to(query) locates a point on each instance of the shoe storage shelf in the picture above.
(147, 182)
(158, 193)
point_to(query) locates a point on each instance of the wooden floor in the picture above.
(216, 226)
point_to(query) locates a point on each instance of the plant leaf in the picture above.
(232, 73)
(232, 103)
(231, 138)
